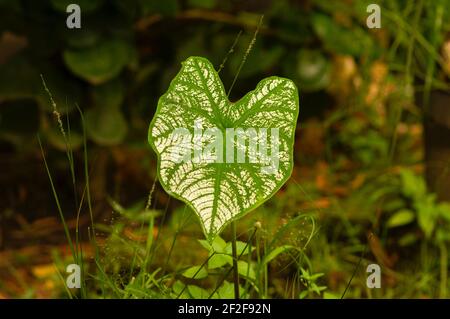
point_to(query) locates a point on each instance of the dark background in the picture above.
(372, 153)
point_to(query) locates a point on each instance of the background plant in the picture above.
(359, 153)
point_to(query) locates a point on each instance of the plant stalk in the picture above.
(235, 262)
(444, 273)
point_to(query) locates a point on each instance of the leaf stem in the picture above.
(229, 271)
(444, 272)
(235, 262)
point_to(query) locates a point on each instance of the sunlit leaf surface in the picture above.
(222, 190)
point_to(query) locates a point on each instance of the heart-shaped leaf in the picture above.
(221, 158)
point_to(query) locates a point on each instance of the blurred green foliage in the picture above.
(139, 44)
(359, 124)
(117, 65)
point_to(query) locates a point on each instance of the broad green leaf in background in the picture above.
(219, 260)
(218, 247)
(241, 248)
(400, 218)
(226, 291)
(195, 272)
(444, 210)
(246, 270)
(110, 94)
(197, 292)
(427, 214)
(413, 186)
(105, 123)
(180, 291)
(100, 62)
(221, 192)
(54, 136)
(106, 126)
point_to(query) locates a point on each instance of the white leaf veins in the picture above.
(221, 192)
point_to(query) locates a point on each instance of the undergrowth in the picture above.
(315, 239)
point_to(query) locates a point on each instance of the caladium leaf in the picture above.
(221, 158)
